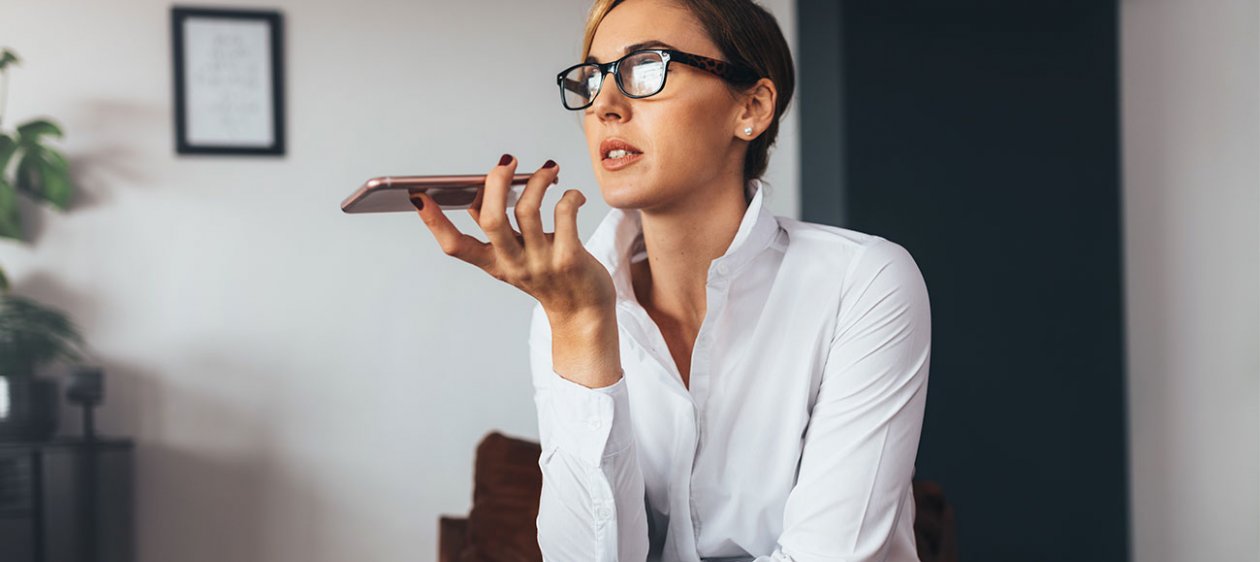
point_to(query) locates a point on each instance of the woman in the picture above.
(713, 382)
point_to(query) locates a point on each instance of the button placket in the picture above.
(602, 513)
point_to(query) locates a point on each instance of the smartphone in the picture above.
(388, 194)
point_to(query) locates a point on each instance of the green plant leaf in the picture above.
(10, 215)
(55, 173)
(30, 131)
(27, 176)
(44, 174)
(7, 147)
(7, 57)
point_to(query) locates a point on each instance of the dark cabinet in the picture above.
(66, 500)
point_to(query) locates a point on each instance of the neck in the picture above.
(682, 241)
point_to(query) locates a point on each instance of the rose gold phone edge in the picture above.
(385, 194)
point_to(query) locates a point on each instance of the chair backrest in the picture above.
(507, 482)
(934, 532)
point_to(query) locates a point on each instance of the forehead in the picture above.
(635, 22)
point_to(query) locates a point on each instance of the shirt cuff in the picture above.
(591, 423)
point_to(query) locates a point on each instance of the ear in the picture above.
(756, 110)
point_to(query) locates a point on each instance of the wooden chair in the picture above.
(502, 525)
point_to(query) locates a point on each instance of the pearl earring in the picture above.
(748, 130)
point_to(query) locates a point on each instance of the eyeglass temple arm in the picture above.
(730, 70)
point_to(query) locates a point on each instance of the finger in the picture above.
(566, 220)
(452, 241)
(493, 216)
(527, 206)
(474, 210)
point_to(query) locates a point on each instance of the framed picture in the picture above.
(229, 81)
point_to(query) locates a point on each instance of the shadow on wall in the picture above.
(104, 163)
(214, 487)
(112, 163)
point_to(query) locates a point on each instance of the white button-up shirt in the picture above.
(797, 438)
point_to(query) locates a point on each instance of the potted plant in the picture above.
(31, 334)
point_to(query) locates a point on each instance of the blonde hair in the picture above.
(744, 33)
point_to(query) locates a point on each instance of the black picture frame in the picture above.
(191, 138)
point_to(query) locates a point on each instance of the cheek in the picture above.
(676, 132)
(691, 133)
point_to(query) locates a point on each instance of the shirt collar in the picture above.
(619, 238)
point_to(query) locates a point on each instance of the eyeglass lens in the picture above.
(641, 74)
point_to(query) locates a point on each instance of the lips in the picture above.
(610, 145)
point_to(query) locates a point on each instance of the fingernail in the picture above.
(503, 161)
(418, 202)
(550, 164)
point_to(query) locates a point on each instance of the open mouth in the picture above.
(620, 153)
(618, 159)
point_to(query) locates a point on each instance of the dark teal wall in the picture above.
(983, 137)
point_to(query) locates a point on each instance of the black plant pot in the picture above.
(32, 411)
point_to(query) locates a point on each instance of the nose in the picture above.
(609, 102)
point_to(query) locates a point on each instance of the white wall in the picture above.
(1191, 113)
(302, 385)
(295, 391)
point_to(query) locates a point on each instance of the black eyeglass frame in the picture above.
(729, 71)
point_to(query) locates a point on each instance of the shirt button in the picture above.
(602, 513)
(593, 423)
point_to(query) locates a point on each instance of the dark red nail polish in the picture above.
(418, 202)
(550, 164)
(503, 161)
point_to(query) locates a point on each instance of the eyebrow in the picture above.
(636, 46)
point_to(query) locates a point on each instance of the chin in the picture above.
(620, 194)
(624, 189)
(627, 193)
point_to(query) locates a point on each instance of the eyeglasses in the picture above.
(640, 74)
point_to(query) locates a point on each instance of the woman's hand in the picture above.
(572, 286)
(554, 268)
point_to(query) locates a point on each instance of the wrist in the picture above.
(585, 347)
(584, 322)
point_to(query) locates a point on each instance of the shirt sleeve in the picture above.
(592, 503)
(863, 434)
